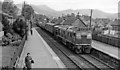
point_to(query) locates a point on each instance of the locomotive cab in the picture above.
(82, 39)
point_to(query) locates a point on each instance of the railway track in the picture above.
(68, 63)
(96, 62)
(82, 61)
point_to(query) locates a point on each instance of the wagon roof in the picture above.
(63, 26)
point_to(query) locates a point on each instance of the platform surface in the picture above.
(41, 53)
(108, 49)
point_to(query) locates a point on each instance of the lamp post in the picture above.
(91, 17)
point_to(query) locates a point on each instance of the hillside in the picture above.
(43, 9)
(96, 13)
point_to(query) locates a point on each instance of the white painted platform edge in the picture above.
(55, 57)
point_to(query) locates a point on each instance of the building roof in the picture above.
(59, 20)
(79, 23)
(74, 21)
(69, 20)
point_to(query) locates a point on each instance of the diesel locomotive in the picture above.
(78, 39)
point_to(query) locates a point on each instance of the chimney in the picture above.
(78, 16)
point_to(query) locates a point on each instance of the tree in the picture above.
(27, 11)
(9, 8)
(19, 26)
(6, 25)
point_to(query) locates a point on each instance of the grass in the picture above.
(7, 54)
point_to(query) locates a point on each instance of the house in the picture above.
(113, 28)
(69, 19)
(73, 20)
(115, 24)
(78, 22)
(85, 17)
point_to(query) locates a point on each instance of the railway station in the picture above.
(65, 46)
(32, 40)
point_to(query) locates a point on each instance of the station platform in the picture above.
(41, 53)
(108, 49)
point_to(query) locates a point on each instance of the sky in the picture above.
(109, 6)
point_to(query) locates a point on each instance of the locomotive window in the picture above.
(62, 33)
(74, 34)
(70, 34)
(67, 34)
(59, 31)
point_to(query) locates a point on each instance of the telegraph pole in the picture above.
(91, 17)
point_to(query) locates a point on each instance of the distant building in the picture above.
(115, 24)
(113, 28)
(85, 17)
(103, 21)
(73, 20)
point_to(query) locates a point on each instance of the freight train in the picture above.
(78, 39)
(114, 41)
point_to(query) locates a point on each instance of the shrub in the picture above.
(19, 26)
